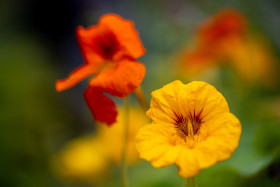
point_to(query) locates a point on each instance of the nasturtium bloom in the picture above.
(224, 39)
(191, 127)
(88, 158)
(224, 26)
(112, 137)
(82, 159)
(255, 62)
(216, 38)
(110, 50)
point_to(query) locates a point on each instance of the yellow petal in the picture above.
(223, 136)
(164, 102)
(112, 137)
(82, 159)
(187, 163)
(197, 96)
(153, 144)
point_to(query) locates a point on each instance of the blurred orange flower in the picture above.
(225, 26)
(222, 39)
(255, 62)
(216, 37)
(109, 49)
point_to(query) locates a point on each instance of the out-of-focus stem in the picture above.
(125, 137)
(194, 182)
(138, 92)
(189, 180)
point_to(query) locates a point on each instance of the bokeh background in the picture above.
(37, 124)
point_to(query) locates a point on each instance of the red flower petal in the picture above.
(89, 41)
(102, 107)
(122, 79)
(224, 24)
(112, 39)
(76, 76)
(125, 33)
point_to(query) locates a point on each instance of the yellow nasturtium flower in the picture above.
(254, 61)
(112, 137)
(83, 159)
(88, 158)
(191, 127)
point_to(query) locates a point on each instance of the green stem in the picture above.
(194, 182)
(125, 137)
(138, 92)
(189, 180)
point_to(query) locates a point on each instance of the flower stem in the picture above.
(125, 137)
(189, 180)
(138, 92)
(194, 182)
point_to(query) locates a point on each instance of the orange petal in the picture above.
(122, 79)
(89, 46)
(76, 76)
(102, 107)
(112, 39)
(224, 24)
(125, 33)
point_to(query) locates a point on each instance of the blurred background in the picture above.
(50, 139)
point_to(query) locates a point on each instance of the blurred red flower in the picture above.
(216, 38)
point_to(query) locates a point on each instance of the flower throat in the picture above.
(188, 126)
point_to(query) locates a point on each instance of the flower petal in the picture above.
(76, 76)
(200, 96)
(125, 33)
(164, 103)
(102, 107)
(121, 80)
(112, 137)
(87, 41)
(153, 144)
(187, 163)
(224, 24)
(224, 134)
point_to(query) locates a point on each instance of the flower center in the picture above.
(106, 45)
(188, 126)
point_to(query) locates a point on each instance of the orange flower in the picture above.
(223, 40)
(225, 25)
(109, 49)
(216, 37)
